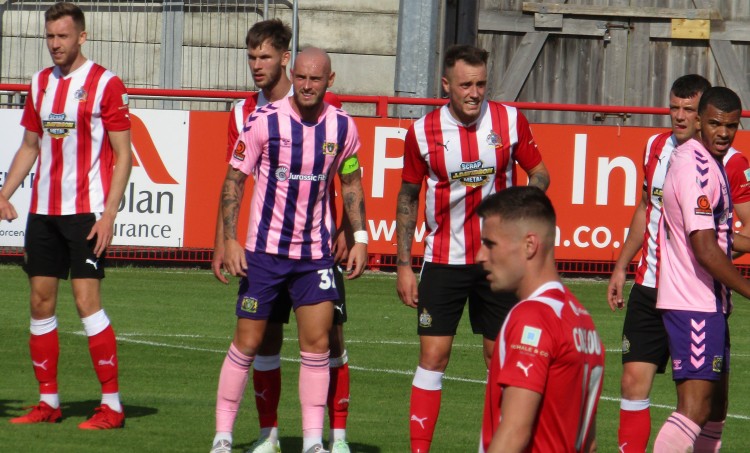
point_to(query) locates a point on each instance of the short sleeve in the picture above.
(115, 111)
(30, 119)
(415, 167)
(527, 152)
(250, 144)
(738, 173)
(529, 343)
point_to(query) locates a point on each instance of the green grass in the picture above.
(174, 327)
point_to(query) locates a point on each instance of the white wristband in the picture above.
(360, 236)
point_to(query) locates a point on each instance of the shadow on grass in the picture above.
(295, 444)
(15, 408)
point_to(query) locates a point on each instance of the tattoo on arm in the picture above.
(540, 180)
(354, 199)
(231, 197)
(406, 221)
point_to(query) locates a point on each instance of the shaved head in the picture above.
(311, 77)
(313, 56)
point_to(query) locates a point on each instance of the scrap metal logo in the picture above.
(56, 125)
(473, 174)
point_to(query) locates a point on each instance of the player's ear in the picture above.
(531, 244)
(331, 78)
(285, 58)
(445, 83)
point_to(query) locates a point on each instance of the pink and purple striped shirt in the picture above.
(293, 163)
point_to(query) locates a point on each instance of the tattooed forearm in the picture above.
(354, 199)
(231, 197)
(539, 177)
(406, 221)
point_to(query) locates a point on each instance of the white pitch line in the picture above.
(124, 338)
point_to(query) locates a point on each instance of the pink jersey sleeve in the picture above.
(115, 112)
(415, 167)
(738, 173)
(527, 153)
(530, 342)
(250, 144)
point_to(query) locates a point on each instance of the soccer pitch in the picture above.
(174, 327)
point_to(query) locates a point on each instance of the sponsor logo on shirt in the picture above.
(239, 151)
(330, 148)
(283, 174)
(473, 174)
(657, 194)
(57, 126)
(703, 206)
(81, 95)
(249, 304)
(531, 336)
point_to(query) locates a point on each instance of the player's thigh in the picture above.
(45, 251)
(488, 309)
(86, 292)
(443, 291)
(644, 338)
(312, 289)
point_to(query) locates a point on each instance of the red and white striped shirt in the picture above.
(659, 149)
(72, 115)
(463, 164)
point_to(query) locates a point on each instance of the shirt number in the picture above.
(326, 279)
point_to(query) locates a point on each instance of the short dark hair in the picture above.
(689, 85)
(517, 203)
(471, 55)
(62, 9)
(722, 98)
(274, 29)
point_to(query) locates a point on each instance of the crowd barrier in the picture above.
(169, 209)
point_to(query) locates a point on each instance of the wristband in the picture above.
(360, 236)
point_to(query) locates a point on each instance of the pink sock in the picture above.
(709, 440)
(232, 381)
(677, 435)
(313, 390)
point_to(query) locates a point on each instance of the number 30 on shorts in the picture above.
(326, 279)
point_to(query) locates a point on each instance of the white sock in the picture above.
(96, 323)
(272, 434)
(221, 435)
(52, 399)
(337, 434)
(112, 400)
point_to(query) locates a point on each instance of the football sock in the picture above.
(677, 435)
(232, 382)
(709, 440)
(338, 396)
(45, 352)
(313, 388)
(112, 400)
(426, 392)
(635, 425)
(267, 385)
(222, 435)
(103, 350)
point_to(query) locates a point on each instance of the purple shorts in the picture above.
(308, 282)
(698, 344)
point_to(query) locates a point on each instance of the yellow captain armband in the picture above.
(350, 165)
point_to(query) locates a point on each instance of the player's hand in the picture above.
(234, 258)
(406, 286)
(217, 264)
(7, 211)
(103, 231)
(357, 262)
(340, 248)
(615, 296)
